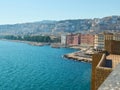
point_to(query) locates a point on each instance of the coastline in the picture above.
(27, 42)
(78, 55)
(83, 55)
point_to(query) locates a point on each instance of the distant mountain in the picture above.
(78, 25)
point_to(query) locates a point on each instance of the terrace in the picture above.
(105, 67)
(109, 61)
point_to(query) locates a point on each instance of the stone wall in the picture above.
(112, 46)
(113, 80)
(99, 71)
(95, 60)
(101, 75)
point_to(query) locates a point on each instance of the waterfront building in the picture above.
(112, 43)
(73, 39)
(69, 39)
(108, 36)
(63, 39)
(87, 39)
(103, 63)
(99, 41)
(76, 39)
(116, 37)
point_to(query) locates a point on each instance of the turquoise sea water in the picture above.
(26, 67)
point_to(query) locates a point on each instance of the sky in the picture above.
(21, 11)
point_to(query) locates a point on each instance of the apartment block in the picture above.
(99, 41)
(73, 39)
(116, 37)
(63, 39)
(87, 39)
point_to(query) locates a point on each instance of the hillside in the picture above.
(47, 27)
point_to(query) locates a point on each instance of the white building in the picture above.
(116, 37)
(63, 39)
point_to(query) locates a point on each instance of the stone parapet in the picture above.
(113, 80)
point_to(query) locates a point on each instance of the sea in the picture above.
(27, 67)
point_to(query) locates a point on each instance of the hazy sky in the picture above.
(18, 11)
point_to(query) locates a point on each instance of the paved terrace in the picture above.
(115, 59)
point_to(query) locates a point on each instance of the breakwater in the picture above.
(79, 56)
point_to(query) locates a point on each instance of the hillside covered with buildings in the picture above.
(110, 23)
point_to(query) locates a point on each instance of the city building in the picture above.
(69, 39)
(73, 39)
(99, 41)
(63, 39)
(116, 37)
(87, 39)
(76, 39)
(108, 36)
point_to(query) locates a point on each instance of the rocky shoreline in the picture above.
(78, 57)
(85, 54)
